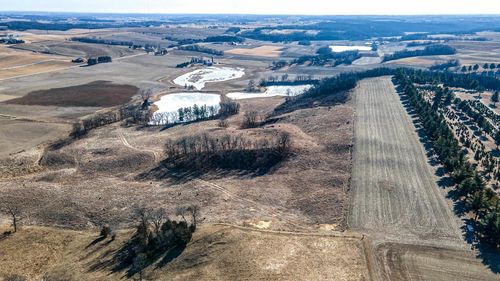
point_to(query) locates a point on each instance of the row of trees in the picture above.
(94, 40)
(430, 50)
(324, 55)
(201, 49)
(101, 59)
(445, 65)
(135, 113)
(483, 201)
(193, 113)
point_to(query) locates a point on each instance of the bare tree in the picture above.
(145, 96)
(194, 210)
(158, 217)
(251, 86)
(15, 214)
(250, 119)
(181, 211)
(223, 123)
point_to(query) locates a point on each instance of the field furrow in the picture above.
(394, 187)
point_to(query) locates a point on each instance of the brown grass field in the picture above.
(213, 254)
(15, 63)
(262, 51)
(357, 199)
(98, 93)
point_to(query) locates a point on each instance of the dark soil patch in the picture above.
(98, 93)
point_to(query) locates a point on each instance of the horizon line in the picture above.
(245, 14)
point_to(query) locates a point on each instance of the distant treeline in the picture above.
(431, 50)
(63, 26)
(11, 41)
(201, 49)
(418, 44)
(285, 81)
(324, 55)
(195, 60)
(366, 28)
(446, 65)
(334, 89)
(422, 36)
(210, 39)
(102, 41)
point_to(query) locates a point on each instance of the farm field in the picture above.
(262, 51)
(395, 198)
(113, 168)
(394, 187)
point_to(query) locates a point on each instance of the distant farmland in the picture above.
(98, 93)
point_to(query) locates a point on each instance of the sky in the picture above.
(302, 7)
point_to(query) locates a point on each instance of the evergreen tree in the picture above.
(494, 98)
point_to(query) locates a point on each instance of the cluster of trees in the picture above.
(284, 80)
(102, 41)
(201, 49)
(195, 60)
(418, 44)
(101, 59)
(205, 153)
(324, 55)
(224, 39)
(445, 65)
(233, 29)
(431, 50)
(483, 201)
(156, 236)
(414, 36)
(486, 111)
(477, 117)
(11, 41)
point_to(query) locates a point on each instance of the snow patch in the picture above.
(198, 78)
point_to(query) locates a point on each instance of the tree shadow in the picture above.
(242, 164)
(486, 253)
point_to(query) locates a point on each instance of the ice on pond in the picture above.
(338, 49)
(271, 92)
(169, 105)
(198, 78)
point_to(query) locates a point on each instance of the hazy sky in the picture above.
(317, 7)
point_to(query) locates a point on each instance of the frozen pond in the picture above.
(271, 92)
(200, 77)
(169, 105)
(338, 49)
